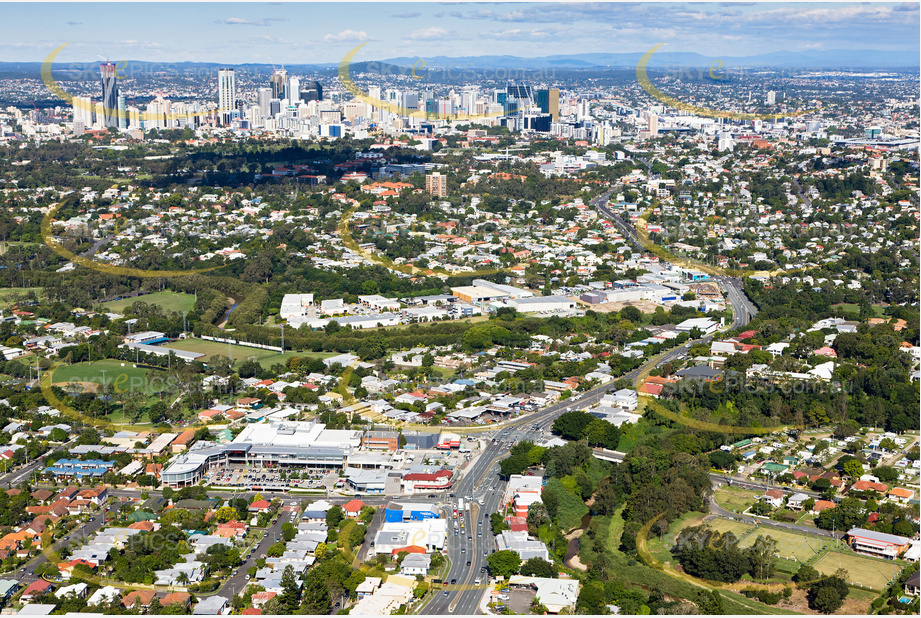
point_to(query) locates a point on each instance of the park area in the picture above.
(862, 571)
(168, 301)
(119, 375)
(795, 549)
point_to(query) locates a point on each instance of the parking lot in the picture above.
(269, 480)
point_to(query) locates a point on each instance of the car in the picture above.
(463, 550)
(453, 581)
(485, 552)
(446, 593)
(468, 563)
(469, 538)
(247, 577)
(22, 570)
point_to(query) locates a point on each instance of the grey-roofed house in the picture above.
(211, 606)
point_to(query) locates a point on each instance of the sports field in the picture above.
(723, 525)
(799, 547)
(6, 294)
(119, 375)
(867, 572)
(168, 301)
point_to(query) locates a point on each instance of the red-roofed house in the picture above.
(826, 351)
(232, 529)
(261, 598)
(774, 497)
(900, 494)
(352, 508)
(251, 611)
(259, 506)
(869, 486)
(653, 390)
(138, 597)
(177, 598)
(821, 505)
(36, 589)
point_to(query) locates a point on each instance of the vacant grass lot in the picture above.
(168, 301)
(240, 353)
(723, 526)
(735, 499)
(868, 572)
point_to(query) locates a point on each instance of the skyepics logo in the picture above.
(714, 73)
(345, 79)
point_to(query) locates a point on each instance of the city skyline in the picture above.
(234, 33)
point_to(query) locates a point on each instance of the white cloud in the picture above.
(433, 33)
(240, 21)
(348, 36)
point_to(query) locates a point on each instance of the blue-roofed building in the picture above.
(77, 468)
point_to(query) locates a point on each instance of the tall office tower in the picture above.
(293, 91)
(226, 94)
(519, 92)
(263, 96)
(771, 97)
(375, 93)
(274, 107)
(109, 95)
(122, 113)
(279, 82)
(437, 184)
(549, 102)
(311, 91)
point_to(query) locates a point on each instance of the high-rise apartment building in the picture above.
(437, 184)
(109, 95)
(226, 95)
(653, 125)
(771, 97)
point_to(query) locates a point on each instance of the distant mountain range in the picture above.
(832, 59)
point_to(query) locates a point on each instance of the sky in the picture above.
(295, 33)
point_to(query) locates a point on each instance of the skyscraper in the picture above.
(653, 125)
(311, 91)
(109, 95)
(279, 83)
(771, 97)
(226, 94)
(263, 96)
(122, 113)
(549, 102)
